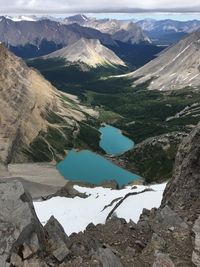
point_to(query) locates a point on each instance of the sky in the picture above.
(67, 6)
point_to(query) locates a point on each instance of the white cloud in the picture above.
(72, 5)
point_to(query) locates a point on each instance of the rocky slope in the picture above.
(175, 68)
(88, 51)
(31, 111)
(168, 236)
(119, 30)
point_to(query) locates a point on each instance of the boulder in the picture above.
(20, 230)
(57, 240)
(107, 258)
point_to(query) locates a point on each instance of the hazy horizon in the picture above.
(121, 16)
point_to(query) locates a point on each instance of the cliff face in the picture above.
(30, 107)
(182, 193)
(168, 236)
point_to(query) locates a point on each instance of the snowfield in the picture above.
(75, 214)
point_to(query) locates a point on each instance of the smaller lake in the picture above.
(89, 167)
(113, 142)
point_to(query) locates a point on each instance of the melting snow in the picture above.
(75, 214)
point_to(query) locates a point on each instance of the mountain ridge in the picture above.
(175, 68)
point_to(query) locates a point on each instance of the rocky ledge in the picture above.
(164, 237)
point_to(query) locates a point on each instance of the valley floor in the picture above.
(41, 179)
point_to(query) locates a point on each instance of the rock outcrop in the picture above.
(20, 230)
(182, 193)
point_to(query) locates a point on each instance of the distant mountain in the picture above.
(37, 122)
(119, 30)
(22, 18)
(167, 31)
(80, 18)
(175, 68)
(36, 38)
(88, 51)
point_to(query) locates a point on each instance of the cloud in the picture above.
(102, 5)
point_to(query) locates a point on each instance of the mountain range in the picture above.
(37, 38)
(167, 32)
(119, 30)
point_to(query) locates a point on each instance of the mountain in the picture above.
(175, 68)
(88, 51)
(79, 18)
(36, 38)
(127, 32)
(167, 32)
(37, 122)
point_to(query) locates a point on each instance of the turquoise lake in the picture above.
(113, 142)
(89, 167)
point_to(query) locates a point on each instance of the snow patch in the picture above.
(75, 214)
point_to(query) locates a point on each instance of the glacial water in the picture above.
(113, 142)
(86, 166)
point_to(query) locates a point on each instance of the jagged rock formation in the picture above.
(88, 51)
(168, 236)
(182, 193)
(175, 68)
(127, 32)
(30, 107)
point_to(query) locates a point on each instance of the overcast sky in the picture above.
(96, 5)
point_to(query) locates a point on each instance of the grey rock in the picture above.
(107, 258)
(69, 191)
(169, 217)
(182, 192)
(57, 239)
(196, 252)
(19, 225)
(163, 260)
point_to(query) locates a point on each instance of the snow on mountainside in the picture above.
(75, 214)
(175, 68)
(22, 18)
(88, 51)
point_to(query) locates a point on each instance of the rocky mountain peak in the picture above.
(88, 51)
